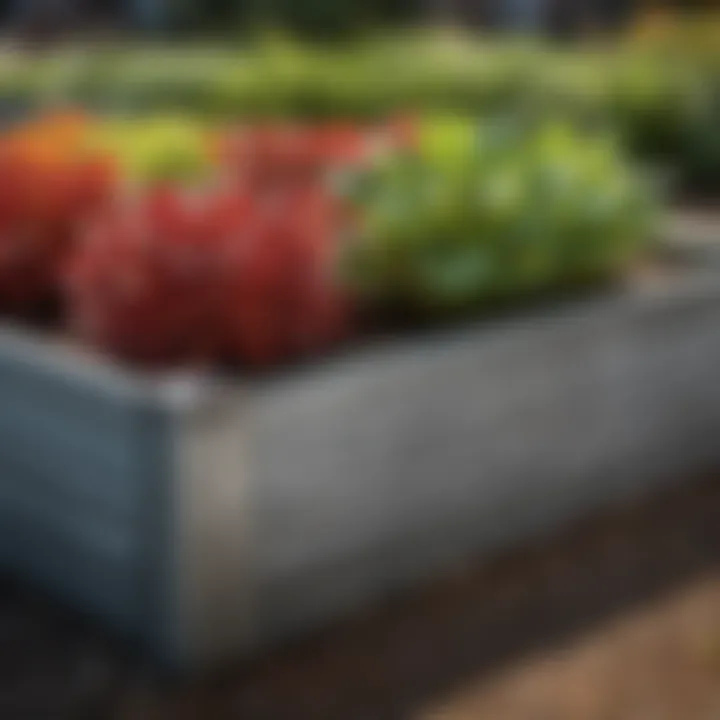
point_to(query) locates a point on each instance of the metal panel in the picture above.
(75, 476)
(207, 521)
(377, 470)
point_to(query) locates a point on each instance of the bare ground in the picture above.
(616, 619)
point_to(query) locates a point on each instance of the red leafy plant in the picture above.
(171, 277)
(49, 189)
(275, 156)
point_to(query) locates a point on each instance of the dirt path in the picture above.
(661, 662)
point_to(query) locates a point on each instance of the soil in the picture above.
(661, 662)
(615, 619)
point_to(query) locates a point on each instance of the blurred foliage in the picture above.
(155, 149)
(490, 212)
(669, 108)
(667, 31)
(657, 88)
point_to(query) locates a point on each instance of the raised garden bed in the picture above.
(207, 516)
(212, 513)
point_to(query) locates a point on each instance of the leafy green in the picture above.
(479, 215)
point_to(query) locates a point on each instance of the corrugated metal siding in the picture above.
(75, 480)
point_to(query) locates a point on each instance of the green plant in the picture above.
(657, 97)
(494, 212)
(155, 149)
